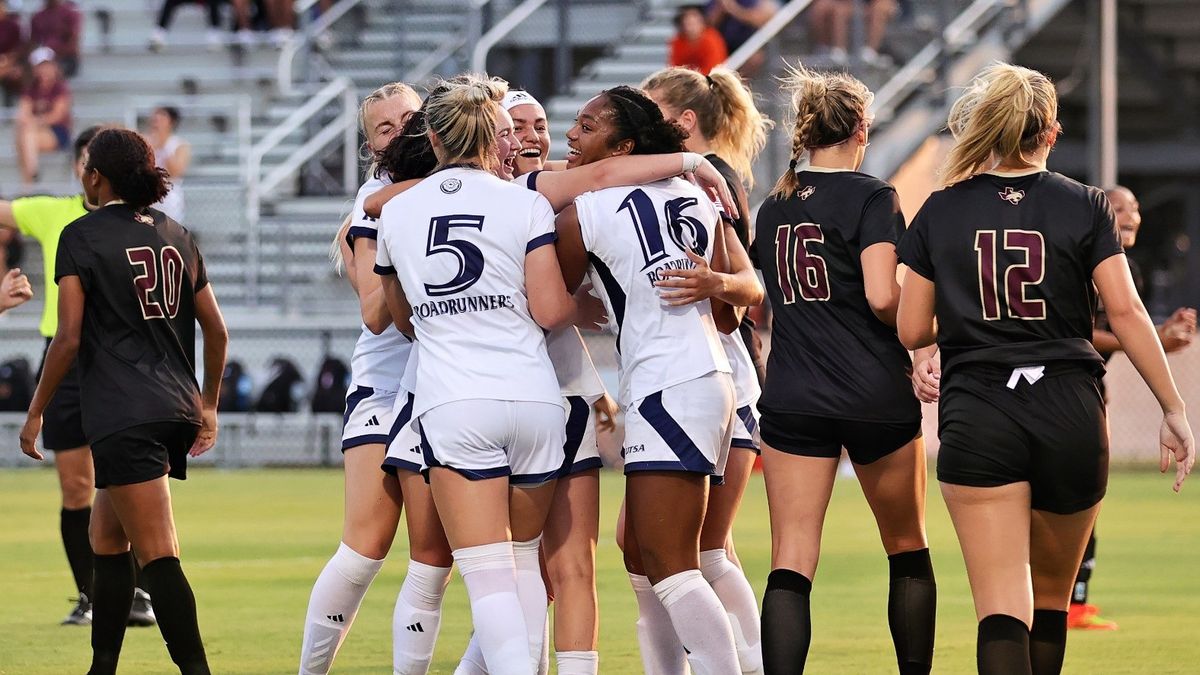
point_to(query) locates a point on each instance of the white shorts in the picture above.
(745, 429)
(685, 427)
(582, 452)
(486, 438)
(404, 451)
(368, 416)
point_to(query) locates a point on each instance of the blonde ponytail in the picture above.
(462, 113)
(828, 109)
(1006, 112)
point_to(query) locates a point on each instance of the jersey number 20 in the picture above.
(1018, 277)
(148, 270)
(799, 270)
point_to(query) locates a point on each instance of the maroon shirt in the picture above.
(44, 98)
(57, 28)
(10, 35)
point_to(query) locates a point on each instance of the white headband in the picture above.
(516, 97)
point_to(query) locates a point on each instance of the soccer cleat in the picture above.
(1083, 616)
(142, 612)
(82, 614)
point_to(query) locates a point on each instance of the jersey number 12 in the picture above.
(149, 269)
(1017, 278)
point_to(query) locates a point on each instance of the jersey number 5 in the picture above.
(1017, 277)
(149, 268)
(470, 258)
(799, 270)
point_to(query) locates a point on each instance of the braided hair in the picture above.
(635, 117)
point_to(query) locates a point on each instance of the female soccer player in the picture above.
(837, 375)
(1005, 258)
(132, 286)
(717, 111)
(675, 385)
(477, 282)
(373, 497)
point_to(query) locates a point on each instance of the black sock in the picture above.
(786, 622)
(912, 609)
(1003, 646)
(73, 523)
(110, 610)
(1048, 641)
(175, 608)
(1084, 576)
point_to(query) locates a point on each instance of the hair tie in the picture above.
(792, 165)
(709, 79)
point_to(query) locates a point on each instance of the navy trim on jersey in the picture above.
(392, 465)
(531, 179)
(690, 457)
(577, 421)
(360, 231)
(746, 414)
(529, 478)
(357, 396)
(615, 293)
(744, 443)
(384, 271)
(369, 439)
(540, 241)
(402, 418)
(585, 465)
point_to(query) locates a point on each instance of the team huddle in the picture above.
(475, 405)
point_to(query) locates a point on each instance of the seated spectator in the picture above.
(829, 23)
(58, 25)
(171, 153)
(737, 20)
(158, 38)
(12, 54)
(43, 122)
(697, 45)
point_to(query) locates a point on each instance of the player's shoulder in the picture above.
(373, 185)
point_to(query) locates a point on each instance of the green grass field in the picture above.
(254, 541)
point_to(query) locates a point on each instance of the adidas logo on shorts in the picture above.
(373, 422)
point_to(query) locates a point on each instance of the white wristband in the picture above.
(691, 162)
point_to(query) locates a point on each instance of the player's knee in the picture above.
(430, 553)
(106, 539)
(367, 542)
(572, 570)
(77, 491)
(903, 542)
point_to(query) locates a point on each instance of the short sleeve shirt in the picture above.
(44, 219)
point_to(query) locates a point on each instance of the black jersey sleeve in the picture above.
(882, 221)
(914, 247)
(201, 275)
(70, 258)
(1105, 237)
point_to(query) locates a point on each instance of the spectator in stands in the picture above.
(282, 15)
(829, 22)
(737, 20)
(171, 153)
(58, 25)
(158, 39)
(12, 54)
(43, 122)
(696, 45)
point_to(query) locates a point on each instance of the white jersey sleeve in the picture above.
(632, 236)
(457, 242)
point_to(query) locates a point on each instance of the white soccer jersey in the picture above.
(632, 235)
(378, 360)
(457, 242)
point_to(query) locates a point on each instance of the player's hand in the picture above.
(606, 413)
(926, 380)
(684, 287)
(711, 180)
(14, 289)
(29, 434)
(1175, 441)
(207, 437)
(1179, 330)
(590, 313)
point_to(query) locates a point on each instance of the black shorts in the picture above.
(144, 452)
(822, 436)
(1051, 434)
(62, 421)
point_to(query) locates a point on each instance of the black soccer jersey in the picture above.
(140, 274)
(830, 355)
(1011, 259)
(741, 224)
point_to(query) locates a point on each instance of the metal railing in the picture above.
(490, 39)
(301, 43)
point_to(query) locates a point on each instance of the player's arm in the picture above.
(727, 316)
(739, 286)
(14, 289)
(1105, 342)
(346, 253)
(371, 301)
(1175, 333)
(7, 218)
(562, 187)
(216, 343)
(879, 265)
(1131, 324)
(373, 205)
(59, 357)
(914, 316)
(571, 253)
(397, 302)
(927, 374)
(550, 304)
(179, 162)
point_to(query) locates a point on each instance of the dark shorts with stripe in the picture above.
(62, 421)
(1052, 433)
(822, 436)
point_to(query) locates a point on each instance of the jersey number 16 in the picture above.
(799, 270)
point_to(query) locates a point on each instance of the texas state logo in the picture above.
(1012, 196)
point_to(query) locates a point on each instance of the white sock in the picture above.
(335, 598)
(737, 597)
(577, 663)
(417, 618)
(531, 589)
(700, 622)
(472, 659)
(662, 654)
(489, 573)
(544, 662)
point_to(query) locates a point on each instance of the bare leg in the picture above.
(572, 529)
(1056, 549)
